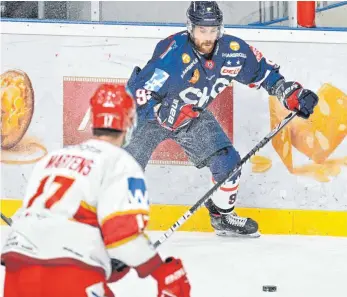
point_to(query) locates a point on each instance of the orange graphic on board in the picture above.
(17, 108)
(316, 138)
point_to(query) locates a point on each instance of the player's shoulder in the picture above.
(170, 46)
(84, 152)
(128, 163)
(178, 39)
(114, 157)
(232, 43)
(51, 154)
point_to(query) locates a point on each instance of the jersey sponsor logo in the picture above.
(209, 64)
(235, 46)
(189, 67)
(138, 190)
(230, 71)
(258, 55)
(173, 111)
(203, 96)
(234, 55)
(195, 77)
(185, 58)
(87, 147)
(157, 80)
(17, 241)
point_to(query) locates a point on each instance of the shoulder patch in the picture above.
(234, 45)
(137, 188)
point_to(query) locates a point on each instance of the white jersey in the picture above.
(87, 203)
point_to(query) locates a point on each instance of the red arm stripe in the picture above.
(121, 228)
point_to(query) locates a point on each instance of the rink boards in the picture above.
(271, 221)
(300, 187)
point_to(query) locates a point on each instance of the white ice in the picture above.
(300, 266)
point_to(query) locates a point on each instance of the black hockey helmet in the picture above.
(204, 13)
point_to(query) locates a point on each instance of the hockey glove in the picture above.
(119, 270)
(186, 113)
(295, 97)
(172, 279)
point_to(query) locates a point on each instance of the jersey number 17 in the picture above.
(64, 184)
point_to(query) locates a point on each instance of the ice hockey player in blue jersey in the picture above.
(186, 72)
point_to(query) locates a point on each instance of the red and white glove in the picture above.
(172, 279)
(170, 275)
(186, 113)
(118, 274)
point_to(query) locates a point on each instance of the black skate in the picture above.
(233, 225)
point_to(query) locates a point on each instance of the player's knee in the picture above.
(223, 162)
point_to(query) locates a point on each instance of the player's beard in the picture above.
(205, 47)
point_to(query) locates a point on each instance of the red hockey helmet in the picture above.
(113, 108)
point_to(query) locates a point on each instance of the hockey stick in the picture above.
(119, 266)
(7, 220)
(238, 167)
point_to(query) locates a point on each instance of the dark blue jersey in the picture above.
(178, 74)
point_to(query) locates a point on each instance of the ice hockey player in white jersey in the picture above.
(84, 206)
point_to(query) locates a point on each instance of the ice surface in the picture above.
(300, 266)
